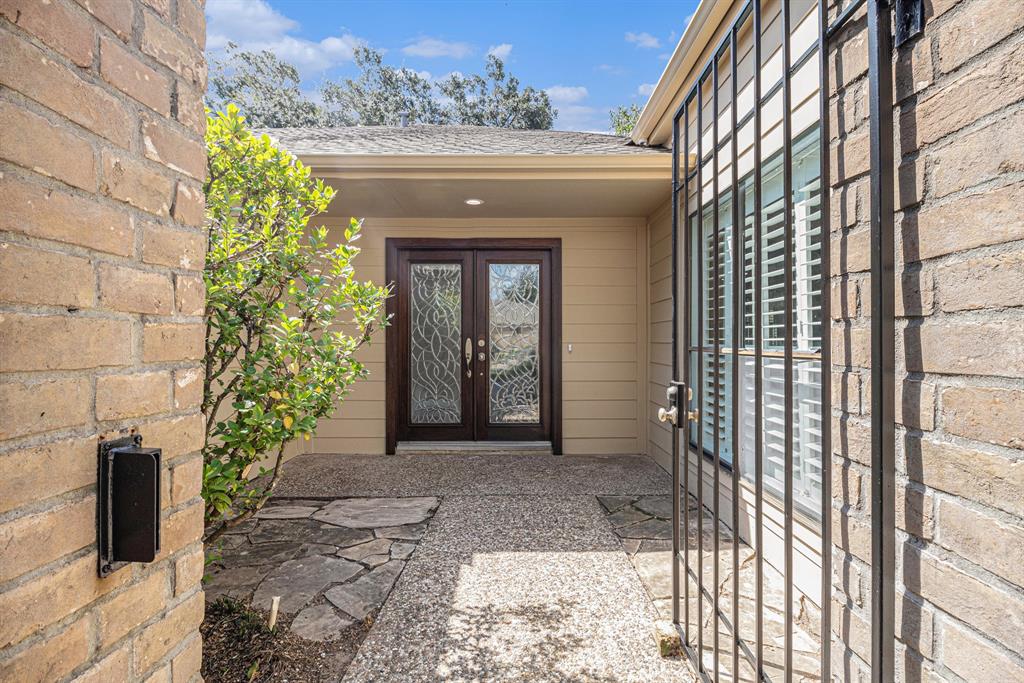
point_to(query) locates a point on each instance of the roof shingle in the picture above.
(430, 139)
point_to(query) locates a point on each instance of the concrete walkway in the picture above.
(519, 576)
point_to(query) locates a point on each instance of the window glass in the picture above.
(715, 310)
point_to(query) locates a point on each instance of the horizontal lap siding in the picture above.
(603, 317)
(659, 282)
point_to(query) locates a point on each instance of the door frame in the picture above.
(394, 245)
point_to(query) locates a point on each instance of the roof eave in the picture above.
(691, 44)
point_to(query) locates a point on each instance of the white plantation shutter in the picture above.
(717, 378)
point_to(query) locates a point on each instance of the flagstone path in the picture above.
(331, 563)
(643, 525)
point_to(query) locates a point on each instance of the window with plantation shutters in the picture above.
(716, 320)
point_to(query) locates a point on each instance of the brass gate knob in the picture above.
(668, 414)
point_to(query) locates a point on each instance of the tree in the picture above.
(623, 119)
(263, 87)
(267, 90)
(284, 315)
(496, 100)
(380, 93)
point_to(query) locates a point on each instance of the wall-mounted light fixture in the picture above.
(129, 503)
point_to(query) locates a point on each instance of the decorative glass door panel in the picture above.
(514, 332)
(434, 321)
(471, 355)
(435, 345)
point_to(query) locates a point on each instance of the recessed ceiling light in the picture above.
(474, 202)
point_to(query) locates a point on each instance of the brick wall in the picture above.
(960, 356)
(101, 162)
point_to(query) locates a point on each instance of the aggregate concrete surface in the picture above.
(519, 576)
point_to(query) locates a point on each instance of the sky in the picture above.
(589, 56)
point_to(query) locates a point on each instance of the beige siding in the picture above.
(603, 317)
(659, 283)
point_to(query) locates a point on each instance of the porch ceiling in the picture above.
(510, 186)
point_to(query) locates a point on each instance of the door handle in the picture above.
(669, 414)
(469, 357)
(672, 414)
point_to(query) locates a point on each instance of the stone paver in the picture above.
(408, 532)
(308, 530)
(371, 513)
(362, 596)
(364, 550)
(273, 552)
(319, 623)
(298, 581)
(648, 528)
(402, 551)
(287, 512)
(655, 506)
(626, 517)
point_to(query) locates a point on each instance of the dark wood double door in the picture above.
(473, 347)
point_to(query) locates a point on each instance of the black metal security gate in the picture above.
(739, 318)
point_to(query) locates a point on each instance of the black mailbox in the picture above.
(129, 503)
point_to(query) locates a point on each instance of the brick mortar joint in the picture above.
(100, 313)
(931, 551)
(83, 493)
(97, 258)
(90, 429)
(99, 145)
(51, 184)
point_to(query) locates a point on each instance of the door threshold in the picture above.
(491, 447)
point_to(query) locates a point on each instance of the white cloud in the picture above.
(500, 51)
(255, 25)
(610, 69)
(310, 56)
(433, 47)
(644, 40)
(244, 21)
(566, 94)
(581, 117)
(645, 89)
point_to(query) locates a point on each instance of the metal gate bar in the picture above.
(700, 370)
(738, 271)
(716, 363)
(758, 355)
(826, 347)
(883, 344)
(787, 402)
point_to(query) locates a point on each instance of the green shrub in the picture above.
(284, 315)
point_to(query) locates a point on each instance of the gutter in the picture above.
(651, 165)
